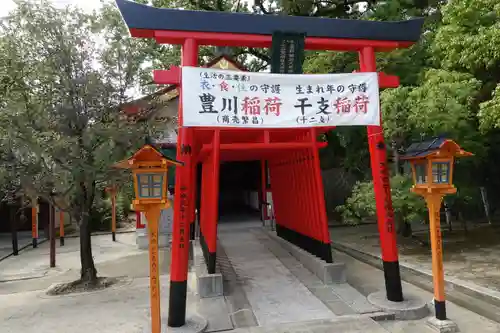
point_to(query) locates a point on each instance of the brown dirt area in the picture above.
(81, 287)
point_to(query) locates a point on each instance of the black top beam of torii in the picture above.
(143, 17)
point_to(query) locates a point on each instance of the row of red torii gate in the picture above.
(289, 156)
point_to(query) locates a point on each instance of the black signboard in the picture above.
(287, 52)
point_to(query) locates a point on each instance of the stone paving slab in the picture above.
(215, 310)
(353, 298)
(341, 298)
(240, 310)
(271, 289)
(344, 325)
(309, 279)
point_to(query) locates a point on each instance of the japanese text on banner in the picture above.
(223, 98)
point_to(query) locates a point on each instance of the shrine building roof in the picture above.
(142, 107)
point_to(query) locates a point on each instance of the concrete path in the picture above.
(340, 324)
(24, 306)
(34, 263)
(271, 289)
(123, 309)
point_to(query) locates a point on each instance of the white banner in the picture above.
(224, 98)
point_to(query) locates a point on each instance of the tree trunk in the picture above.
(447, 212)
(84, 202)
(396, 159)
(88, 272)
(406, 229)
(52, 236)
(464, 223)
(486, 203)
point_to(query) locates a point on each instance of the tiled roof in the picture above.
(424, 148)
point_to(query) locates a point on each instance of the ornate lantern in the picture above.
(432, 168)
(432, 165)
(150, 166)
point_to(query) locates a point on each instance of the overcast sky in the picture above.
(8, 5)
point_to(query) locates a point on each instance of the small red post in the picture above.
(320, 200)
(290, 191)
(308, 197)
(381, 185)
(13, 225)
(113, 214)
(263, 186)
(302, 221)
(208, 171)
(287, 205)
(138, 221)
(307, 221)
(272, 185)
(214, 195)
(289, 172)
(286, 188)
(318, 207)
(61, 228)
(293, 194)
(311, 193)
(299, 220)
(192, 211)
(52, 236)
(205, 205)
(280, 210)
(34, 222)
(183, 188)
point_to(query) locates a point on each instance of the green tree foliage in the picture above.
(65, 74)
(449, 85)
(442, 102)
(467, 41)
(469, 35)
(489, 114)
(408, 207)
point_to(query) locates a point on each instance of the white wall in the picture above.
(252, 199)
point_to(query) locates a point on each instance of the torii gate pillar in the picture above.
(383, 201)
(184, 206)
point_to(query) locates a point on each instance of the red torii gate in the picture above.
(292, 153)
